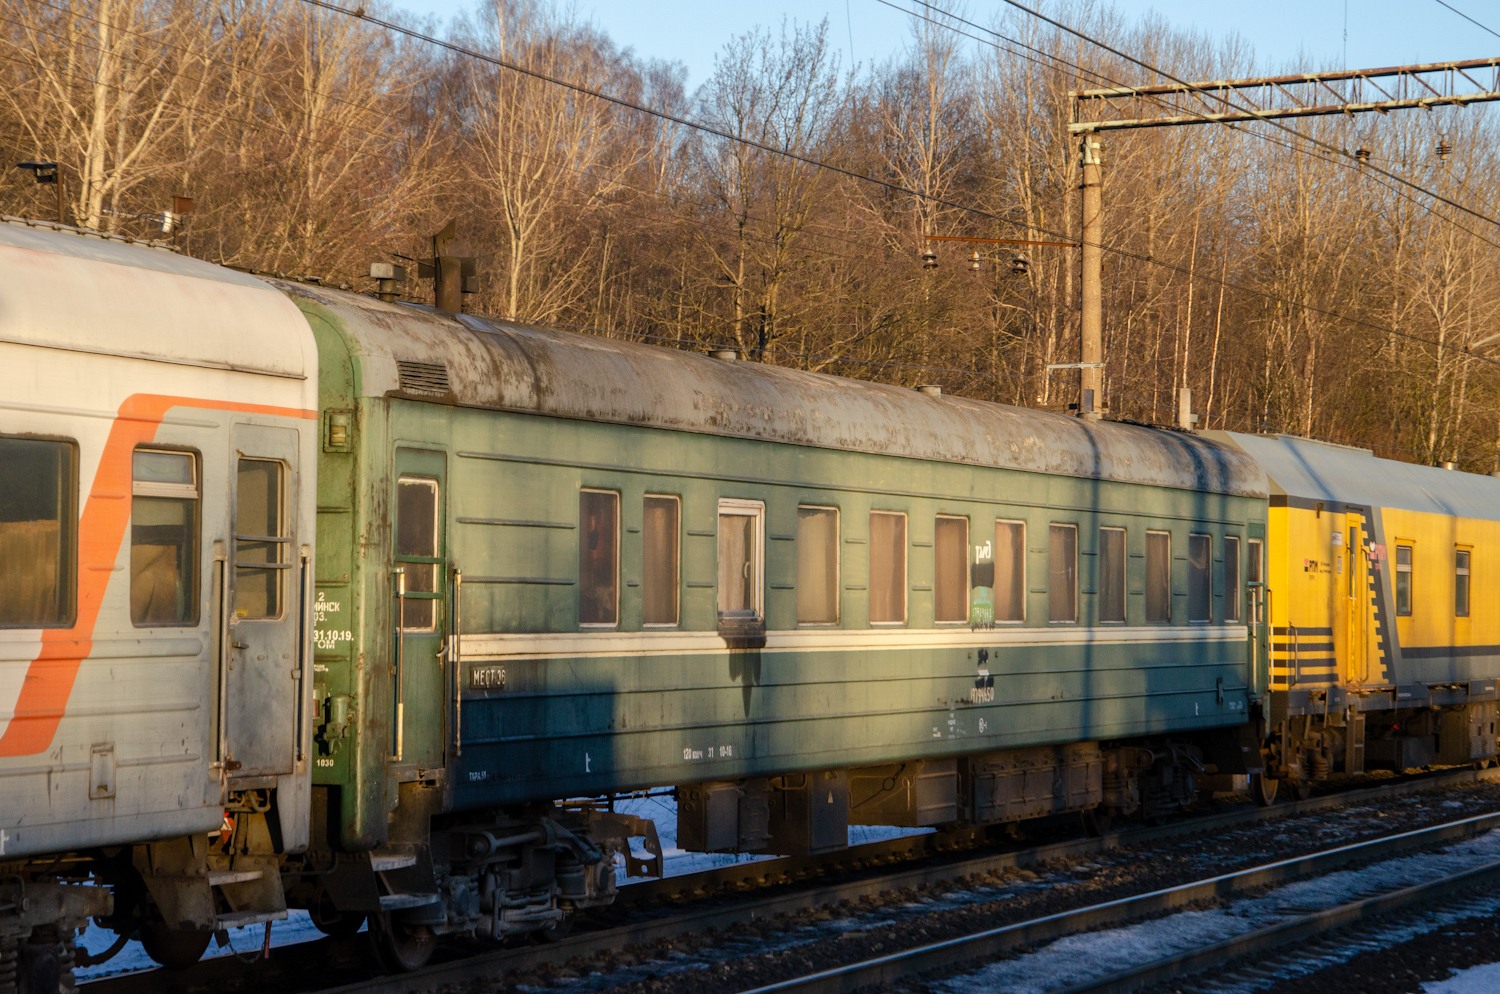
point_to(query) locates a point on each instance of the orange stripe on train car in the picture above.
(50, 677)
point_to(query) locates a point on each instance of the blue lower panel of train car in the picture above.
(589, 724)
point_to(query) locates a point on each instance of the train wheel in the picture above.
(401, 946)
(1263, 789)
(173, 948)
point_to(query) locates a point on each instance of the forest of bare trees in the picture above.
(1286, 288)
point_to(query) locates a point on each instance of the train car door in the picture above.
(419, 577)
(264, 605)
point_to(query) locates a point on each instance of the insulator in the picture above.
(1444, 149)
(1020, 265)
(929, 259)
(1362, 154)
(974, 262)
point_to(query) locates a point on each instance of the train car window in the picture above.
(660, 550)
(1158, 577)
(1111, 575)
(1403, 580)
(1010, 571)
(741, 559)
(1231, 578)
(1461, 583)
(1255, 575)
(261, 541)
(887, 568)
(164, 507)
(817, 566)
(38, 532)
(1062, 573)
(950, 580)
(417, 545)
(598, 557)
(1200, 577)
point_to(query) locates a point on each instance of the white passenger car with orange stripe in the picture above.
(157, 446)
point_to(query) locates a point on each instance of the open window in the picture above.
(164, 508)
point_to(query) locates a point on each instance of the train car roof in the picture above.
(80, 291)
(468, 361)
(1301, 469)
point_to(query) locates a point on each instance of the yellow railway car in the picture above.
(1378, 635)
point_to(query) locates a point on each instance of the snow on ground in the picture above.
(1080, 958)
(298, 927)
(1476, 980)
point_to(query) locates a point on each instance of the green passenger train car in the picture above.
(555, 568)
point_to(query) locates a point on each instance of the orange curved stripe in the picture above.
(50, 677)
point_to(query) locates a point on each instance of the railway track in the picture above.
(672, 917)
(901, 968)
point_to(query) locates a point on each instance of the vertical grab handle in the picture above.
(399, 689)
(456, 659)
(225, 641)
(304, 636)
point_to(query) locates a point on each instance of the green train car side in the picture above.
(554, 567)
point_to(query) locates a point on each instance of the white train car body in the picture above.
(158, 431)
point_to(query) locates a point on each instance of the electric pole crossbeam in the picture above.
(1261, 98)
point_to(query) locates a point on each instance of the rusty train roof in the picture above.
(468, 361)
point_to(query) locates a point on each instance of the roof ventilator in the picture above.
(422, 377)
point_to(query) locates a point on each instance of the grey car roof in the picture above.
(1305, 469)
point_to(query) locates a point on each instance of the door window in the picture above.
(261, 541)
(417, 550)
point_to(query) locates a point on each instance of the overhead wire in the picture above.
(1228, 102)
(1335, 155)
(893, 187)
(1477, 24)
(259, 124)
(1209, 277)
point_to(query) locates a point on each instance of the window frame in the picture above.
(282, 540)
(1053, 527)
(1463, 567)
(756, 511)
(1123, 574)
(838, 565)
(1255, 573)
(937, 572)
(1404, 592)
(905, 574)
(1204, 574)
(68, 528)
(614, 585)
(1157, 534)
(1232, 600)
(1019, 549)
(676, 501)
(152, 490)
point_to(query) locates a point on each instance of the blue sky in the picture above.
(1283, 33)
